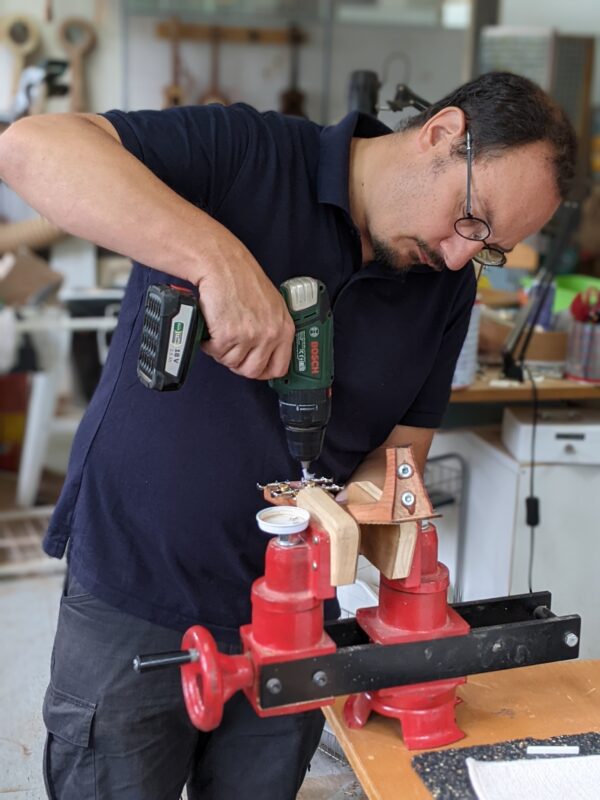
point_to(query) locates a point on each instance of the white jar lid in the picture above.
(282, 520)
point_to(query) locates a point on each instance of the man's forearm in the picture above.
(73, 169)
(83, 180)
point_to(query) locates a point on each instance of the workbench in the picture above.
(540, 701)
(487, 389)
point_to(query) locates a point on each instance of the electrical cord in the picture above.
(532, 503)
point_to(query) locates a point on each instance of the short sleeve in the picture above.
(197, 151)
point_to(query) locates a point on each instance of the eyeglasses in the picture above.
(476, 229)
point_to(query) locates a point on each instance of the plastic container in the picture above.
(283, 520)
(466, 366)
(583, 352)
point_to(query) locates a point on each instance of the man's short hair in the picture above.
(505, 110)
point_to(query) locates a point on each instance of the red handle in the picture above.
(210, 680)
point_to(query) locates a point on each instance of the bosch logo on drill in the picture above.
(315, 358)
(314, 331)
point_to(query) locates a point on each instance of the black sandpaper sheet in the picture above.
(444, 772)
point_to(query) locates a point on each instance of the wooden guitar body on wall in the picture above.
(213, 93)
(22, 36)
(173, 94)
(292, 100)
(78, 38)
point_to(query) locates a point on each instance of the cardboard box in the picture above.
(25, 278)
(548, 346)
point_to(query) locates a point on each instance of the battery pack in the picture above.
(169, 333)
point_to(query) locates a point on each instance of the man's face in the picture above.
(413, 219)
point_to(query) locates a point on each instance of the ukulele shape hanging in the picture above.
(214, 94)
(292, 100)
(173, 94)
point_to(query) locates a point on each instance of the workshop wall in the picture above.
(129, 66)
(431, 59)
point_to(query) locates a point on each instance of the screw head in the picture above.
(315, 540)
(315, 565)
(571, 639)
(496, 647)
(407, 499)
(320, 678)
(404, 470)
(273, 686)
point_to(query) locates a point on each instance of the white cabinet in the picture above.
(494, 551)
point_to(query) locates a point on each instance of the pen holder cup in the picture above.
(583, 352)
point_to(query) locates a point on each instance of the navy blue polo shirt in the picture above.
(159, 502)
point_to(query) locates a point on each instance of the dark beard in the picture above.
(385, 255)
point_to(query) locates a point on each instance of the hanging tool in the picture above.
(173, 327)
(22, 36)
(292, 100)
(213, 94)
(173, 94)
(36, 84)
(78, 39)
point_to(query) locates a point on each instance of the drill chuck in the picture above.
(305, 414)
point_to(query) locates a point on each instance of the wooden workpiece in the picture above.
(389, 526)
(540, 702)
(378, 521)
(390, 506)
(343, 531)
(388, 547)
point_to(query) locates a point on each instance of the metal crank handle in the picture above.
(173, 658)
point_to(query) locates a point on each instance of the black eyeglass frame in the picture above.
(500, 261)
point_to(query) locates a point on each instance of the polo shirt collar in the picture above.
(334, 156)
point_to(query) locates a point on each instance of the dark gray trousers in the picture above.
(117, 735)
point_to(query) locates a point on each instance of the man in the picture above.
(158, 505)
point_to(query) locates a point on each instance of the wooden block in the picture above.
(363, 492)
(344, 533)
(390, 548)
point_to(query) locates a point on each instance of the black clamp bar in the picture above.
(505, 633)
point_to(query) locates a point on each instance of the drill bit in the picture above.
(306, 474)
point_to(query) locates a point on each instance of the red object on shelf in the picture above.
(14, 396)
(585, 306)
(413, 609)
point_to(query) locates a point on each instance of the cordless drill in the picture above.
(173, 328)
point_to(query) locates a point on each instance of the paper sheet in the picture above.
(536, 779)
